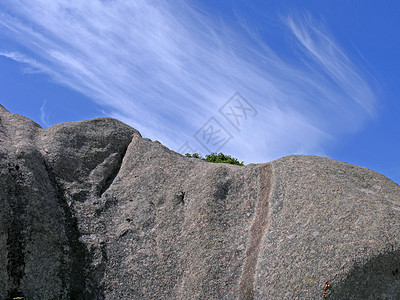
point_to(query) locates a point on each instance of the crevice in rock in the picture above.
(15, 236)
(257, 231)
(16, 257)
(74, 275)
(180, 198)
(110, 179)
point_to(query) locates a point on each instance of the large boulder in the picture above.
(91, 210)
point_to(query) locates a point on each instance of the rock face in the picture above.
(91, 210)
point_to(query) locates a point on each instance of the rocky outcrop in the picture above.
(91, 210)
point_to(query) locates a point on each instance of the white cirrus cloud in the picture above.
(166, 68)
(44, 116)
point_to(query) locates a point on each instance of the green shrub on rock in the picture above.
(217, 158)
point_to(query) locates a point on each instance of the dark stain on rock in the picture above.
(222, 190)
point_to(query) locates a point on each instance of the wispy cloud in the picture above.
(31, 65)
(44, 117)
(166, 68)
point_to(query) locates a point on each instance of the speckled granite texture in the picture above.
(91, 210)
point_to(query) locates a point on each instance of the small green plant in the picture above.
(194, 155)
(217, 158)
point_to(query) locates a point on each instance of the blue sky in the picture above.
(255, 79)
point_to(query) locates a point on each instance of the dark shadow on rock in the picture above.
(114, 172)
(377, 278)
(79, 283)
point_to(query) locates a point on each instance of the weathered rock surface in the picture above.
(91, 210)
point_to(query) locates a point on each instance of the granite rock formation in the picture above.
(91, 210)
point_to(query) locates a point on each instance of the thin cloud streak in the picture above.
(167, 68)
(34, 66)
(333, 61)
(44, 115)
